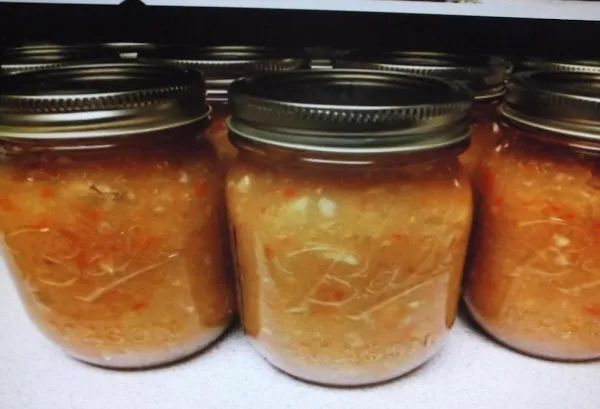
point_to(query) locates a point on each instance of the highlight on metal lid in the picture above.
(223, 64)
(128, 50)
(40, 56)
(350, 112)
(571, 65)
(484, 75)
(567, 103)
(100, 100)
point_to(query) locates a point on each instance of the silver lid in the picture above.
(128, 50)
(350, 112)
(99, 100)
(540, 64)
(35, 57)
(223, 64)
(484, 75)
(565, 103)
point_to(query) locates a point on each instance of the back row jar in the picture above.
(485, 76)
(221, 65)
(535, 281)
(350, 216)
(111, 210)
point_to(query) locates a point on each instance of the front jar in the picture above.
(221, 65)
(113, 229)
(349, 235)
(536, 272)
(485, 76)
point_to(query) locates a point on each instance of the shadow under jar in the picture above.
(111, 209)
(350, 215)
(221, 65)
(485, 76)
(535, 281)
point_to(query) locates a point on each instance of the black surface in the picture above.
(207, 26)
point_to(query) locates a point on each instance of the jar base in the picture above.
(524, 348)
(148, 360)
(343, 376)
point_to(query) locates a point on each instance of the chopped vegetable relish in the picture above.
(118, 252)
(535, 282)
(348, 276)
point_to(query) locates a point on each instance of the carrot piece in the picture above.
(6, 204)
(144, 242)
(289, 192)
(138, 306)
(40, 224)
(396, 236)
(559, 211)
(93, 215)
(269, 253)
(47, 192)
(593, 309)
(69, 235)
(200, 188)
(82, 261)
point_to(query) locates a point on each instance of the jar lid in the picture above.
(35, 57)
(223, 64)
(539, 64)
(129, 50)
(99, 100)
(484, 75)
(566, 103)
(350, 112)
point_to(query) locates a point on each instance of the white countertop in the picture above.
(470, 372)
(537, 9)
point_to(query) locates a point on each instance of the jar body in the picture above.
(118, 252)
(218, 133)
(348, 276)
(536, 271)
(484, 135)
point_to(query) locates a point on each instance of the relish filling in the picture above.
(119, 254)
(348, 278)
(536, 274)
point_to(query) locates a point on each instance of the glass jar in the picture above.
(536, 270)
(485, 76)
(39, 56)
(111, 209)
(221, 65)
(350, 216)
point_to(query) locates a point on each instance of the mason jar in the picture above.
(485, 76)
(535, 281)
(221, 65)
(111, 210)
(350, 216)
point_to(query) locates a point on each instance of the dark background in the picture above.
(133, 21)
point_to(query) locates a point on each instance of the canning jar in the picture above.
(111, 210)
(483, 75)
(535, 279)
(221, 65)
(40, 56)
(350, 215)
